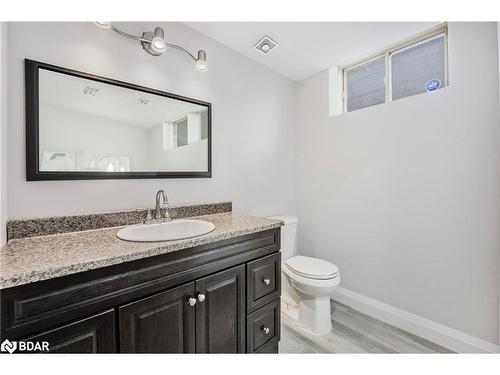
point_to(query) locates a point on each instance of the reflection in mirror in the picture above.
(87, 125)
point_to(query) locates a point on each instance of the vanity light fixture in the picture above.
(103, 24)
(201, 61)
(153, 42)
(157, 44)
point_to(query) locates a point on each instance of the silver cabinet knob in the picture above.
(201, 297)
(266, 330)
(267, 281)
(191, 301)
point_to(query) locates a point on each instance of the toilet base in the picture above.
(315, 314)
(312, 314)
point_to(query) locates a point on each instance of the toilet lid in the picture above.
(312, 268)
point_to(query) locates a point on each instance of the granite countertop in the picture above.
(32, 259)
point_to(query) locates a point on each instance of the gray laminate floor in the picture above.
(353, 332)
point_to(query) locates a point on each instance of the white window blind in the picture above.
(365, 85)
(415, 67)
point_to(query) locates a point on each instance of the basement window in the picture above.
(365, 84)
(415, 66)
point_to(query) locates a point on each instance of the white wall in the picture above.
(404, 196)
(190, 157)
(3, 131)
(94, 137)
(253, 120)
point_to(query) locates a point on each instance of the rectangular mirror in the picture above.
(81, 126)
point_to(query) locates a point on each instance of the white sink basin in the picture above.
(172, 230)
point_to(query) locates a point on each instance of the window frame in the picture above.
(386, 53)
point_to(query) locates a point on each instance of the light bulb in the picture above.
(158, 44)
(201, 61)
(265, 47)
(201, 65)
(158, 41)
(106, 25)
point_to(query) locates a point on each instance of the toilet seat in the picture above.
(313, 292)
(311, 268)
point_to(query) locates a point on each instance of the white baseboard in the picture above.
(450, 338)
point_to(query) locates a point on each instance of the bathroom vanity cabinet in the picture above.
(221, 297)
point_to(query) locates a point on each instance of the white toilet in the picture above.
(307, 283)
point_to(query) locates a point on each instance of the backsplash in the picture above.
(21, 228)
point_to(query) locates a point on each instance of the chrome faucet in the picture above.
(161, 196)
(161, 199)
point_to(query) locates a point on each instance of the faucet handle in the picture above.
(149, 215)
(166, 215)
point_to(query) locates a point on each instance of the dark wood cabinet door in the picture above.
(95, 334)
(161, 323)
(220, 316)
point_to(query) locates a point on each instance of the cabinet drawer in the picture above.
(263, 281)
(271, 348)
(263, 327)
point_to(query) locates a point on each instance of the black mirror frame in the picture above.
(33, 172)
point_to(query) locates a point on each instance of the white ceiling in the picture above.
(111, 102)
(306, 48)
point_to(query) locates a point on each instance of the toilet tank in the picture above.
(288, 235)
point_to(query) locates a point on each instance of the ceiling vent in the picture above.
(266, 45)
